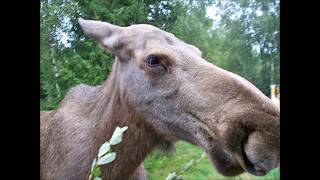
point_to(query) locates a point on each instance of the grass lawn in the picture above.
(159, 166)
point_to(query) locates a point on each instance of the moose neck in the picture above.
(138, 140)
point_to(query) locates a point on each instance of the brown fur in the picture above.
(186, 98)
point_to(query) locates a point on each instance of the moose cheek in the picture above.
(180, 132)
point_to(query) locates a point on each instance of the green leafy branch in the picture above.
(175, 175)
(105, 154)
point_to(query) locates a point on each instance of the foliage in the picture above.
(250, 43)
(105, 155)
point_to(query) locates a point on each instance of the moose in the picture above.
(164, 91)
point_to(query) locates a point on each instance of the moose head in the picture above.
(184, 97)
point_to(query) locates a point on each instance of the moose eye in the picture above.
(152, 61)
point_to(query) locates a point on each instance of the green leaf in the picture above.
(171, 176)
(93, 164)
(107, 158)
(117, 135)
(104, 149)
(97, 172)
(124, 128)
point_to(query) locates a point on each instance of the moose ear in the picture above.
(108, 35)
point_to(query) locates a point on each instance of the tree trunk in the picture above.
(52, 53)
(55, 71)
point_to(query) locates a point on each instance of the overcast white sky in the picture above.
(212, 12)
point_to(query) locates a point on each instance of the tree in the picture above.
(245, 41)
(250, 40)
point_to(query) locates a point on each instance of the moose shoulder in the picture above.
(164, 91)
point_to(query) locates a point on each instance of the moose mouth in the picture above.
(249, 166)
(229, 164)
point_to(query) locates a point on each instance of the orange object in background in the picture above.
(275, 94)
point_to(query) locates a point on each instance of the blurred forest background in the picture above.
(242, 36)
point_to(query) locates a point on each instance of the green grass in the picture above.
(159, 166)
